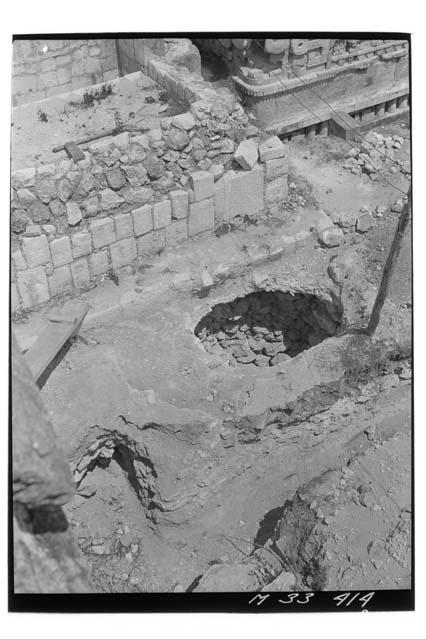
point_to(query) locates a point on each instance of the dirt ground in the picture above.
(39, 127)
(176, 477)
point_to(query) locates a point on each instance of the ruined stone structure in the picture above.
(223, 387)
(296, 83)
(73, 222)
(43, 68)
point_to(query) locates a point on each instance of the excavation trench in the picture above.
(268, 327)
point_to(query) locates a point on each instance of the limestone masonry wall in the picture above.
(136, 194)
(42, 68)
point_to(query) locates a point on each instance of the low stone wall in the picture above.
(42, 68)
(136, 194)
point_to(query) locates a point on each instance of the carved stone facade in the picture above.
(291, 83)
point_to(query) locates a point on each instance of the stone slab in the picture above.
(80, 273)
(142, 220)
(36, 251)
(201, 217)
(179, 200)
(60, 249)
(60, 280)
(123, 226)
(123, 252)
(162, 214)
(151, 243)
(33, 287)
(176, 232)
(98, 263)
(202, 183)
(103, 232)
(81, 244)
(246, 194)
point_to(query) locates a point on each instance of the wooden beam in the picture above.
(59, 331)
(382, 293)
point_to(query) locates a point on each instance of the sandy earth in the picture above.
(34, 135)
(166, 489)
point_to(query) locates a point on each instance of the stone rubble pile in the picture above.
(267, 328)
(376, 153)
(127, 169)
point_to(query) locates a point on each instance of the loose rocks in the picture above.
(267, 328)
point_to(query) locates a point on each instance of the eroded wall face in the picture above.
(42, 68)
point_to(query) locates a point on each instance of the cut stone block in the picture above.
(81, 244)
(271, 148)
(202, 184)
(276, 190)
(73, 213)
(331, 237)
(102, 232)
(247, 192)
(98, 263)
(65, 190)
(122, 140)
(39, 212)
(239, 194)
(25, 197)
(123, 252)
(179, 200)
(364, 223)
(176, 232)
(123, 226)
(109, 200)
(222, 198)
(151, 243)
(80, 273)
(36, 251)
(319, 220)
(276, 168)
(33, 287)
(184, 121)
(162, 214)
(142, 220)
(343, 125)
(61, 251)
(201, 217)
(246, 154)
(23, 178)
(45, 190)
(60, 280)
(116, 178)
(33, 230)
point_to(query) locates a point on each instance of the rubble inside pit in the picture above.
(268, 327)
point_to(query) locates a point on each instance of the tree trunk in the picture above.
(389, 266)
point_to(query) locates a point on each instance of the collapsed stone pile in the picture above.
(375, 154)
(267, 328)
(130, 168)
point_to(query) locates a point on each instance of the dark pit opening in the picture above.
(268, 327)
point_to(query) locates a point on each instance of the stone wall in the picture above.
(135, 53)
(42, 68)
(295, 83)
(136, 194)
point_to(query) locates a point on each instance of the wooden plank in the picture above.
(57, 333)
